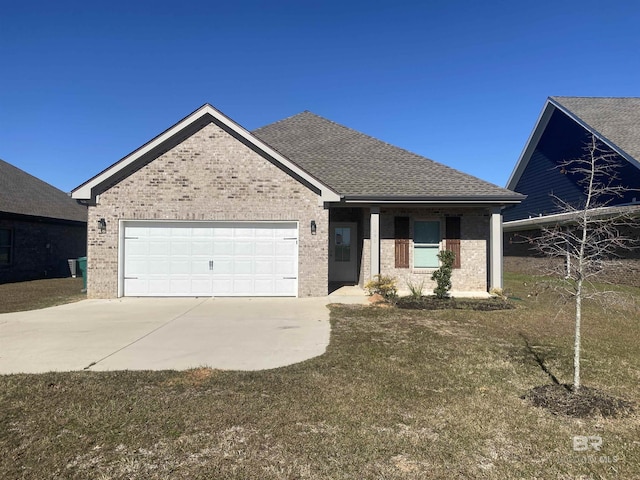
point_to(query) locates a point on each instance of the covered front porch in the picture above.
(403, 241)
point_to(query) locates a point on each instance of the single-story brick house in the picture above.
(209, 208)
(560, 134)
(41, 227)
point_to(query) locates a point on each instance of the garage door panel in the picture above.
(242, 266)
(179, 247)
(173, 259)
(222, 285)
(222, 266)
(242, 247)
(159, 232)
(180, 266)
(157, 266)
(136, 248)
(283, 286)
(201, 247)
(264, 247)
(222, 247)
(285, 267)
(156, 247)
(283, 248)
(264, 267)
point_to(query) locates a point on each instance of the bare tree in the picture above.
(590, 235)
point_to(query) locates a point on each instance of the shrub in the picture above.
(415, 289)
(383, 285)
(442, 276)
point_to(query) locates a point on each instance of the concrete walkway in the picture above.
(167, 333)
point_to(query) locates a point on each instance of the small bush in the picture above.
(383, 285)
(442, 276)
(416, 289)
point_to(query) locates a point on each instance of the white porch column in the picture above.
(375, 241)
(495, 249)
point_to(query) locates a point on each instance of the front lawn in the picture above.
(20, 296)
(400, 394)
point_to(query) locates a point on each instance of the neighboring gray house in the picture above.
(560, 134)
(295, 208)
(41, 227)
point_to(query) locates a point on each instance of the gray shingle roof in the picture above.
(24, 194)
(357, 165)
(617, 119)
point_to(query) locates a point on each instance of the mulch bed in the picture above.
(586, 402)
(433, 303)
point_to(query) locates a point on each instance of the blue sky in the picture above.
(82, 84)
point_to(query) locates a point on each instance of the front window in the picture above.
(5, 246)
(426, 243)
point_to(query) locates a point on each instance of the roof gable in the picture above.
(613, 120)
(24, 194)
(362, 167)
(176, 134)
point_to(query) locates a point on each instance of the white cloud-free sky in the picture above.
(82, 84)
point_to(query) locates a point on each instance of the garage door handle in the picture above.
(131, 278)
(289, 278)
(210, 264)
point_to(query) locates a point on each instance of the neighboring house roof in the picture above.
(614, 120)
(560, 135)
(362, 167)
(339, 163)
(24, 194)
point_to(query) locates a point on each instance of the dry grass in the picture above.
(20, 296)
(399, 394)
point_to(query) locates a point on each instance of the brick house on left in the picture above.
(208, 208)
(41, 227)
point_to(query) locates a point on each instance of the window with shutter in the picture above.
(452, 240)
(402, 234)
(426, 243)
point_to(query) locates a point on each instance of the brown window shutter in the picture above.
(401, 230)
(452, 242)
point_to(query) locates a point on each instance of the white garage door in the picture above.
(210, 259)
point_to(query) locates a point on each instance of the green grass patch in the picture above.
(399, 394)
(21, 296)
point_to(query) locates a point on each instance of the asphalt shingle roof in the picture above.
(24, 194)
(615, 118)
(357, 165)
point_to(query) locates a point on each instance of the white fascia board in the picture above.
(532, 143)
(569, 217)
(85, 191)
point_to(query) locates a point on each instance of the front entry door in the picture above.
(343, 252)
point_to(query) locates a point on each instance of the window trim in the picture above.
(8, 246)
(414, 244)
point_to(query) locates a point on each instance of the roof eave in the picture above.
(436, 200)
(568, 218)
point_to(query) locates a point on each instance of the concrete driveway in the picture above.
(165, 333)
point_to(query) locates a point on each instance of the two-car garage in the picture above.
(208, 258)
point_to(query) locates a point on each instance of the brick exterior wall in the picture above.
(471, 277)
(209, 176)
(41, 248)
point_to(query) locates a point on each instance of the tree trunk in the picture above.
(576, 345)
